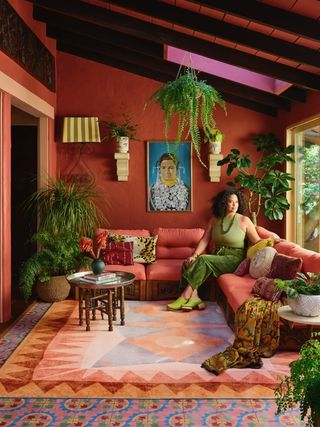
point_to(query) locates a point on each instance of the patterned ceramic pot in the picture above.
(305, 305)
(123, 144)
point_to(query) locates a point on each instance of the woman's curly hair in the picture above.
(219, 203)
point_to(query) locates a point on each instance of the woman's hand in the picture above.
(190, 260)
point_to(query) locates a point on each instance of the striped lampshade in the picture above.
(81, 129)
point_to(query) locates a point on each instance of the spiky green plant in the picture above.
(193, 102)
(303, 385)
(59, 254)
(62, 205)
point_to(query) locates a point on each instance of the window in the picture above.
(303, 225)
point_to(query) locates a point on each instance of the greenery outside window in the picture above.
(303, 222)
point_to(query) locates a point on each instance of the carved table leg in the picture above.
(122, 305)
(87, 308)
(110, 309)
(80, 306)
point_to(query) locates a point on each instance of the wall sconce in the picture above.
(81, 129)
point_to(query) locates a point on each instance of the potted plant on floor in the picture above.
(265, 184)
(303, 293)
(192, 101)
(303, 385)
(66, 211)
(122, 132)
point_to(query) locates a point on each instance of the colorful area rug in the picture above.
(157, 354)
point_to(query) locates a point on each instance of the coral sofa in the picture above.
(159, 279)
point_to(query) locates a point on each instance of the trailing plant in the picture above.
(265, 184)
(124, 128)
(59, 254)
(63, 205)
(303, 385)
(192, 101)
(303, 284)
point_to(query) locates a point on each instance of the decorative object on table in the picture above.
(265, 183)
(302, 387)
(303, 293)
(122, 132)
(192, 101)
(58, 256)
(87, 247)
(100, 278)
(214, 137)
(66, 210)
(169, 176)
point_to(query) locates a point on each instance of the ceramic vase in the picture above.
(97, 266)
(123, 144)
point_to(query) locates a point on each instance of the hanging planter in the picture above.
(193, 102)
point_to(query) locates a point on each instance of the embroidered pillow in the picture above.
(258, 246)
(118, 253)
(243, 267)
(260, 264)
(285, 267)
(144, 248)
(264, 288)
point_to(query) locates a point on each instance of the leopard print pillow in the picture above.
(144, 248)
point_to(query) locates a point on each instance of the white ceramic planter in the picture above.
(123, 144)
(305, 305)
(215, 147)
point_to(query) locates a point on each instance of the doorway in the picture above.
(24, 161)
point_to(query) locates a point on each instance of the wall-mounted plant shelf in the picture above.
(214, 169)
(122, 166)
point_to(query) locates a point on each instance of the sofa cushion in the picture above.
(144, 248)
(252, 250)
(237, 289)
(243, 268)
(118, 253)
(260, 264)
(137, 269)
(264, 287)
(176, 242)
(285, 267)
(164, 269)
(264, 233)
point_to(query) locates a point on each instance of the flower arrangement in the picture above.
(87, 245)
(305, 284)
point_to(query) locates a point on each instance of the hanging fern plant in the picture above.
(193, 102)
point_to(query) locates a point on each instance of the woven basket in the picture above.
(55, 289)
(305, 305)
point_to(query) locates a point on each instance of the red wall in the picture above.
(86, 88)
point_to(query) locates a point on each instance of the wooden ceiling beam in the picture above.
(275, 17)
(156, 75)
(155, 33)
(224, 30)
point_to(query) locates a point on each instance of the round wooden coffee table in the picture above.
(106, 298)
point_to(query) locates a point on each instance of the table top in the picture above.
(286, 313)
(125, 280)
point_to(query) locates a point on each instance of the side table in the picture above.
(296, 329)
(102, 297)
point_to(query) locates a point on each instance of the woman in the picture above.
(230, 230)
(169, 193)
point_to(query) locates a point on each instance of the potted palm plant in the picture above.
(66, 211)
(303, 293)
(192, 101)
(265, 183)
(302, 387)
(122, 132)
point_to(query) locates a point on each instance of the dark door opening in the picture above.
(23, 183)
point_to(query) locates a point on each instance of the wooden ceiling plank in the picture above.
(274, 17)
(155, 33)
(218, 28)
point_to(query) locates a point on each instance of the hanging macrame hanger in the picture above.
(182, 65)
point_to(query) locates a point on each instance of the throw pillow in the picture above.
(285, 267)
(264, 288)
(260, 264)
(243, 267)
(144, 248)
(258, 246)
(118, 253)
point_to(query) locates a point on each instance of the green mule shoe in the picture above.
(177, 304)
(194, 302)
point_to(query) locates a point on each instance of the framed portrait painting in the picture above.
(169, 176)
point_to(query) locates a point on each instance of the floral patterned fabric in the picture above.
(257, 334)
